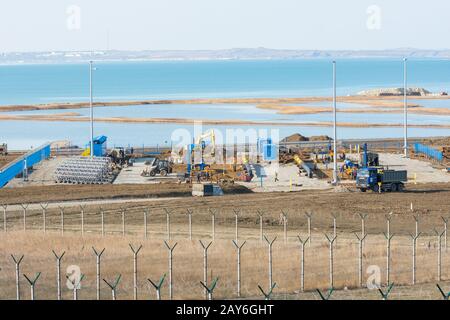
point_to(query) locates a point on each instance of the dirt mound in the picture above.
(296, 137)
(320, 138)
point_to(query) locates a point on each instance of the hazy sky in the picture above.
(27, 25)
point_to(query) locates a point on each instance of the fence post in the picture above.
(189, 213)
(146, 210)
(32, 283)
(285, 220)
(445, 232)
(102, 213)
(445, 295)
(168, 213)
(98, 255)
(58, 272)
(236, 215)
(385, 295)
(82, 207)
(122, 211)
(260, 214)
(388, 237)
(327, 296)
(113, 286)
(17, 262)
(170, 267)
(135, 286)
(210, 290)
(44, 216)
(24, 207)
(205, 263)
(267, 295)
(363, 217)
(270, 244)
(5, 228)
(334, 227)
(213, 222)
(309, 216)
(76, 286)
(360, 256)
(416, 219)
(158, 286)
(61, 210)
(439, 254)
(331, 243)
(414, 249)
(302, 262)
(239, 248)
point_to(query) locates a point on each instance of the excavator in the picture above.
(200, 144)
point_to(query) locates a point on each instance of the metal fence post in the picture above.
(331, 243)
(135, 281)
(76, 286)
(32, 283)
(388, 237)
(210, 290)
(445, 232)
(98, 255)
(213, 223)
(82, 207)
(146, 210)
(58, 272)
(309, 217)
(44, 216)
(205, 263)
(236, 215)
(102, 214)
(24, 207)
(285, 220)
(439, 254)
(123, 220)
(360, 257)
(267, 295)
(260, 214)
(414, 249)
(158, 286)
(113, 286)
(270, 244)
(239, 248)
(168, 213)
(5, 228)
(17, 262)
(363, 217)
(61, 210)
(189, 213)
(302, 262)
(170, 267)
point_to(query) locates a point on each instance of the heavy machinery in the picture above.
(120, 157)
(4, 149)
(199, 145)
(157, 166)
(379, 179)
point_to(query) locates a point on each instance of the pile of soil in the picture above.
(320, 138)
(296, 137)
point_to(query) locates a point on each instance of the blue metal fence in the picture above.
(428, 151)
(17, 166)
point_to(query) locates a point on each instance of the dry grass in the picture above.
(188, 264)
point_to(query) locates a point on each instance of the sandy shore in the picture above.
(382, 102)
(62, 117)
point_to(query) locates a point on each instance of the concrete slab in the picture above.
(132, 175)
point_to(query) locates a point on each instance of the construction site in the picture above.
(68, 199)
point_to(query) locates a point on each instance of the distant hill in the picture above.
(228, 54)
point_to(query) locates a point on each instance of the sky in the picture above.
(49, 25)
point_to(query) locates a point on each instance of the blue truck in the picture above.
(379, 179)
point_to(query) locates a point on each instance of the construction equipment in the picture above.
(99, 147)
(161, 167)
(379, 179)
(199, 145)
(4, 149)
(120, 157)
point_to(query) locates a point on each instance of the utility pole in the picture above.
(91, 109)
(335, 169)
(405, 100)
